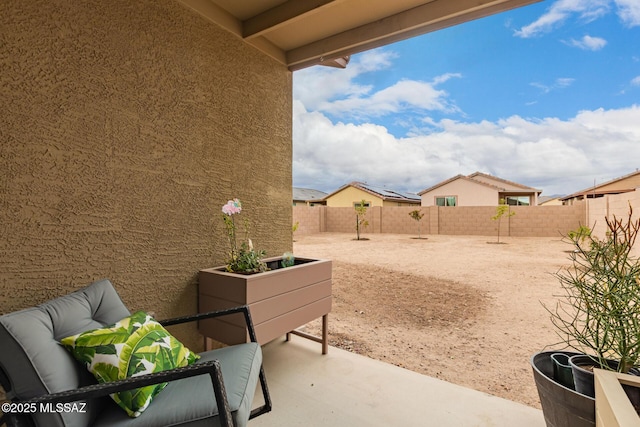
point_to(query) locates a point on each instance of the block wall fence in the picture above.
(608, 207)
(528, 221)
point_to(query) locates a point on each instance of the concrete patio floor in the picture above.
(346, 389)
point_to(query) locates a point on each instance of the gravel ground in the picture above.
(460, 308)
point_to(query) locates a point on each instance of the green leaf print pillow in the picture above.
(136, 345)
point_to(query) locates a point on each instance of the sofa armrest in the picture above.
(244, 309)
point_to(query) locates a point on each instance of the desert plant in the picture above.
(294, 228)
(581, 233)
(501, 210)
(417, 215)
(361, 222)
(599, 311)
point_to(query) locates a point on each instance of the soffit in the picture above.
(302, 33)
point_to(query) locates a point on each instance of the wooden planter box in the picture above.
(613, 407)
(280, 300)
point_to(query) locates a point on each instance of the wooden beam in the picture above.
(410, 23)
(215, 14)
(280, 15)
(264, 45)
(210, 11)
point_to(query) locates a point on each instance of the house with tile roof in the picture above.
(352, 194)
(549, 201)
(478, 189)
(308, 197)
(624, 184)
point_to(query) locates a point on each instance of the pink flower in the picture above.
(232, 207)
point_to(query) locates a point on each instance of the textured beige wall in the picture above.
(394, 204)
(124, 127)
(468, 194)
(347, 197)
(624, 184)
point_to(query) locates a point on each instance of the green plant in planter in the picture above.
(288, 260)
(599, 311)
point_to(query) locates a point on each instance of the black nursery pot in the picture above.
(562, 371)
(582, 375)
(582, 369)
(561, 406)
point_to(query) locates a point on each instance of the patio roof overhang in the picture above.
(302, 33)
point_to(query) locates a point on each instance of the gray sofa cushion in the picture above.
(37, 364)
(193, 399)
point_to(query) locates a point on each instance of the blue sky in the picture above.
(546, 95)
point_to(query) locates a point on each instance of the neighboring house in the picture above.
(308, 197)
(479, 189)
(549, 201)
(352, 194)
(624, 184)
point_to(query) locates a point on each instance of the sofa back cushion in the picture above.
(34, 360)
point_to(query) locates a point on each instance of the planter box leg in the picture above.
(325, 334)
(324, 339)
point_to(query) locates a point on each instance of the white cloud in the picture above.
(341, 95)
(629, 11)
(402, 96)
(561, 10)
(635, 81)
(586, 10)
(554, 155)
(559, 83)
(588, 43)
(337, 82)
(564, 82)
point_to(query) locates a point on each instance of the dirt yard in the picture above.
(452, 307)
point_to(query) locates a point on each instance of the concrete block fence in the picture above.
(528, 221)
(610, 206)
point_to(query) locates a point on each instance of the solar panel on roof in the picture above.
(390, 193)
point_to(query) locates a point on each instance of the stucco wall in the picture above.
(468, 194)
(350, 195)
(124, 128)
(624, 184)
(395, 204)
